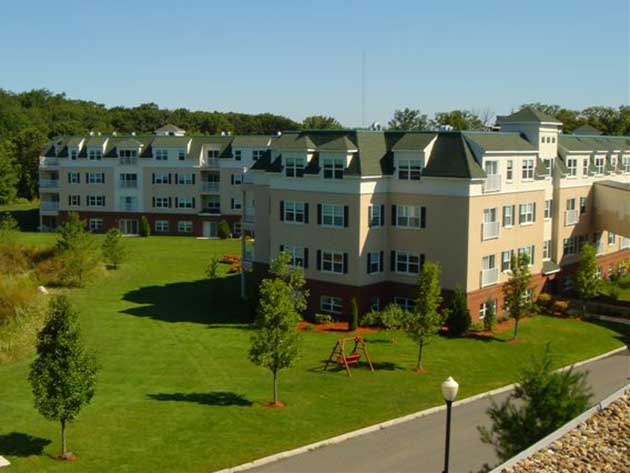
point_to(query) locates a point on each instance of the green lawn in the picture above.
(176, 392)
(624, 288)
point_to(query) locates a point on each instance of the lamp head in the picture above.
(449, 389)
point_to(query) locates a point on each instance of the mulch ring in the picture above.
(333, 327)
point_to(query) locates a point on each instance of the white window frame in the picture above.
(332, 168)
(161, 203)
(212, 153)
(408, 216)
(184, 226)
(333, 216)
(294, 212)
(625, 164)
(186, 179)
(600, 165)
(572, 166)
(530, 251)
(527, 173)
(612, 238)
(509, 170)
(297, 255)
(185, 203)
(332, 262)
(405, 303)
(548, 211)
(75, 200)
(546, 256)
(181, 154)
(161, 178)
(95, 224)
(95, 200)
(161, 155)
(294, 167)
(95, 155)
(374, 262)
(74, 178)
(407, 263)
(96, 177)
(506, 260)
(526, 213)
(508, 216)
(409, 169)
(375, 216)
(162, 226)
(257, 154)
(331, 304)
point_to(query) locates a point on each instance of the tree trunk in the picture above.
(63, 437)
(275, 387)
(420, 346)
(515, 328)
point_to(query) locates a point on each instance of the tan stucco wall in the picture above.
(612, 205)
(83, 189)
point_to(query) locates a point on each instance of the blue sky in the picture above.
(299, 58)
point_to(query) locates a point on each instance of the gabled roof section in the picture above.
(251, 141)
(498, 142)
(96, 140)
(342, 143)
(170, 141)
(452, 157)
(75, 141)
(294, 142)
(528, 115)
(575, 143)
(413, 141)
(169, 128)
(129, 143)
(587, 130)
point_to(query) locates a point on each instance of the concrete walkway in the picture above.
(418, 445)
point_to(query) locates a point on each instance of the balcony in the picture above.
(127, 161)
(492, 183)
(571, 217)
(49, 206)
(46, 162)
(128, 184)
(210, 211)
(128, 207)
(210, 187)
(489, 276)
(49, 183)
(209, 162)
(490, 230)
(248, 178)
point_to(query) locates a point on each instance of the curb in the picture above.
(4, 462)
(608, 318)
(390, 423)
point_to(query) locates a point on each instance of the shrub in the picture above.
(560, 307)
(145, 228)
(213, 268)
(353, 322)
(477, 326)
(614, 292)
(490, 320)
(8, 230)
(458, 321)
(223, 230)
(544, 300)
(321, 319)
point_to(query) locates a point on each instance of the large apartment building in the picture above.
(361, 211)
(184, 185)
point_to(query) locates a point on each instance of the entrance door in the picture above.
(210, 229)
(128, 226)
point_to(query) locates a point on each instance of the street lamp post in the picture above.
(449, 391)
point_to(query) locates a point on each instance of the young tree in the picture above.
(113, 249)
(282, 268)
(145, 227)
(458, 321)
(274, 344)
(391, 318)
(542, 402)
(69, 231)
(223, 230)
(213, 268)
(586, 282)
(490, 318)
(78, 251)
(424, 321)
(408, 119)
(63, 376)
(9, 230)
(353, 322)
(8, 174)
(515, 291)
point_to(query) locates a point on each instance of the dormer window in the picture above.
(127, 153)
(181, 154)
(333, 168)
(213, 153)
(95, 155)
(409, 169)
(548, 163)
(238, 154)
(257, 154)
(161, 155)
(74, 153)
(294, 167)
(599, 165)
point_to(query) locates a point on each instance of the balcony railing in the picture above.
(249, 217)
(210, 187)
(248, 178)
(211, 210)
(48, 162)
(128, 184)
(489, 276)
(492, 183)
(128, 161)
(49, 205)
(571, 217)
(490, 230)
(49, 183)
(126, 207)
(209, 162)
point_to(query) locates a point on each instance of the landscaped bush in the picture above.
(544, 300)
(353, 322)
(224, 230)
(560, 307)
(323, 319)
(145, 228)
(230, 259)
(458, 321)
(490, 320)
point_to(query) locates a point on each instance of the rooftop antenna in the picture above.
(363, 88)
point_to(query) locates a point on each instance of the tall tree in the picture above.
(282, 267)
(458, 120)
(8, 173)
(542, 402)
(321, 122)
(113, 249)
(78, 251)
(63, 376)
(408, 119)
(425, 320)
(586, 281)
(516, 290)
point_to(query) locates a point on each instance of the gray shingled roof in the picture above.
(526, 115)
(414, 141)
(452, 157)
(251, 141)
(341, 143)
(293, 142)
(167, 141)
(493, 141)
(586, 130)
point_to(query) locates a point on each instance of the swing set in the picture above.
(338, 354)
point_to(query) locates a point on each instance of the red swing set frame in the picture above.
(338, 354)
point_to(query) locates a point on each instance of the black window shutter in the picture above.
(393, 215)
(79, 201)
(232, 179)
(345, 263)
(421, 260)
(282, 210)
(306, 213)
(176, 179)
(382, 261)
(383, 214)
(346, 215)
(69, 200)
(103, 177)
(305, 258)
(534, 212)
(153, 202)
(368, 262)
(169, 177)
(423, 217)
(176, 202)
(193, 178)
(369, 220)
(319, 214)
(281, 248)
(392, 261)
(152, 178)
(319, 260)
(232, 203)
(87, 180)
(170, 203)
(193, 202)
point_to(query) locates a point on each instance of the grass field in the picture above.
(176, 392)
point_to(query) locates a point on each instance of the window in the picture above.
(161, 226)
(235, 204)
(612, 238)
(548, 208)
(529, 251)
(333, 168)
(74, 153)
(96, 201)
(548, 167)
(95, 224)
(485, 307)
(490, 223)
(127, 153)
(375, 262)
(184, 226)
(187, 179)
(213, 153)
(407, 262)
(161, 178)
(409, 169)
(570, 204)
(95, 177)
(572, 166)
(332, 215)
(376, 215)
(405, 303)
(506, 260)
(95, 155)
(236, 228)
(625, 243)
(161, 155)
(332, 305)
(238, 154)
(508, 215)
(185, 202)
(410, 217)
(294, 212)
(181, 154)
(74, 177)
(547, 250)
(294, 167)
(585, 167)
(509, 170)
(129, 181)
(375, 304)
(332, 262)
(74, 200)
(528, 169)
(582, 205)
(527, 213)
(257, 154)
(625, 162)
(614, 162)
(236, 179)
(298, 255)
(569, 246)
(599, 164)
(161, 202)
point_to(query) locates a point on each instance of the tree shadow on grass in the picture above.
(334, 367)
(482, 337)
(217, 398)
(623, 331)
(27, 219)
(18, 444)
(212, 302)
